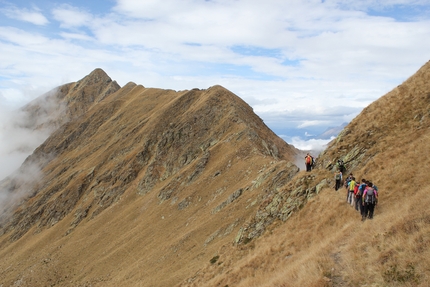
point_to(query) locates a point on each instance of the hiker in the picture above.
(314, 162)
(351, 187)
(377, 191)
(309, 160)
(355, 195)
(370, 198)
(359, 200)
(338, 179)
(347, 181)
(340, 166)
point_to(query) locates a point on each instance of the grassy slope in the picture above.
(138, 239)
(326, 244)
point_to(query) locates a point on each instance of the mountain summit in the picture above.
(69, 101)
(149, 172)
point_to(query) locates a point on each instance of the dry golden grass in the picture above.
(325, 243)
(142, 241)
(79, 230)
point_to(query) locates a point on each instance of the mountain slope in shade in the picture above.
(137, 181)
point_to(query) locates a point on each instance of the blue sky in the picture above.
(303, 65)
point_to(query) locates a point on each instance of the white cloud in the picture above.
(21, 38)
(33, 16)
(297, 63)
(71, 17)
(17, 141)
(305, 124)
(314, 145)
(76, 36)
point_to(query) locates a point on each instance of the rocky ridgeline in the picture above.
(138, 139)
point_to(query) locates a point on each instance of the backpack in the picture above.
(370, 196)
(337, 176)
(356, 189)
(308, 159)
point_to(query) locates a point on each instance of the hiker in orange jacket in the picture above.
(309, 160)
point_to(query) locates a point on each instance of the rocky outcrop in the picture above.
(281, 203)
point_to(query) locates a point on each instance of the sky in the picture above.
(303, 65)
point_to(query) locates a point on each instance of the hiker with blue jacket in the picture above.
(359, 196)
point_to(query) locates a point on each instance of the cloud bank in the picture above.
(311, 64)
(18, 141)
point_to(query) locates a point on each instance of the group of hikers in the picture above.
(363, 196)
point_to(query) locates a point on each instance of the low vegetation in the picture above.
(189, 202)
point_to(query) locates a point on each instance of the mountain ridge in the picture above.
(325, 243)
(155, 147)
(162, 188)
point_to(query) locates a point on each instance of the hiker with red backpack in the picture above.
(355, 195)
(309, 161)
(370, 198)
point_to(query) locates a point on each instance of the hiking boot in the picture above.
(363, 218)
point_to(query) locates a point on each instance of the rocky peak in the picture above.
(69, 101)
(92, 89)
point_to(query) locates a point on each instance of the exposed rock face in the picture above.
(285, 198)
